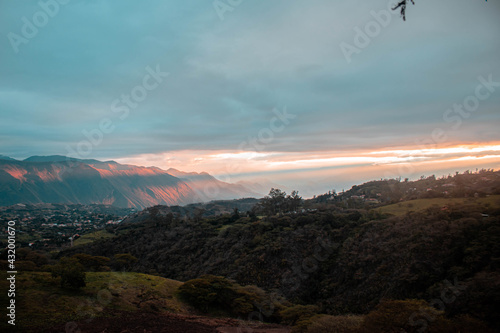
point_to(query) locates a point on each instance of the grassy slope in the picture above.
(420, 204)
(40, 302)
(93, 236)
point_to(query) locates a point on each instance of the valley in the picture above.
(313, 265)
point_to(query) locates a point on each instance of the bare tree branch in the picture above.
(402, 5)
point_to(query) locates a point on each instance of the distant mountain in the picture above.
(57, 179)
(3, 157)
(209, 188)
(59, 158)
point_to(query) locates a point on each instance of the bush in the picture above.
(299, 316)
(208, 291)
(211, 293)
(71, 272)
(410, 316)
(246, 298)
(123, 261)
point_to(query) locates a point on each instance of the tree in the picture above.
(236, 214)
(92, 263)
(71, 272)
(274, 202)
(198, 214)
(124, 260)
(277, 202)
(294, 200)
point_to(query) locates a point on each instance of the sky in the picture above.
(312, 95)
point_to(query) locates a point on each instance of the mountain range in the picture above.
(59, 179)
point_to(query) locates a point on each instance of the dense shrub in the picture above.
(209, 293)
(298, 314)
(123, 261)
(92, 263)
(394, 316)
(215, 294)
(71, 273)
(416, 316)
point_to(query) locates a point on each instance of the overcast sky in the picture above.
(255, 89)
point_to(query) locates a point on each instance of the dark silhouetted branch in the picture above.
(402, 6)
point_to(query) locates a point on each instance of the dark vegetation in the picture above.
(337, 259)
(335, 263)
(390, 191)
(70, 272)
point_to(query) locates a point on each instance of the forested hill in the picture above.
(343, 260)
(468, 184)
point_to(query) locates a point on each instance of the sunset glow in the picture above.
(268, 94)
(411, 162)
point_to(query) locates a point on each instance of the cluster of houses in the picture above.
(49, 226)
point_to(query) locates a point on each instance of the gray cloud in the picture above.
(227, 76)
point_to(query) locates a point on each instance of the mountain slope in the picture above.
(3, 157)
(57, 179)
(209, 188)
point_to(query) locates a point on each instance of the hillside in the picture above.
(337, 261)
(3, 157)
(342, 260)
(405, 207)
(208, 188)
(57, 179)
(112, 302)
(41, 303)
(375, 193)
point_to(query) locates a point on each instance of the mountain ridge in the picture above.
(59, 179)
(3, 157)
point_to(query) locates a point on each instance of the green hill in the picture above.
(41, 303)
(91, 237)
